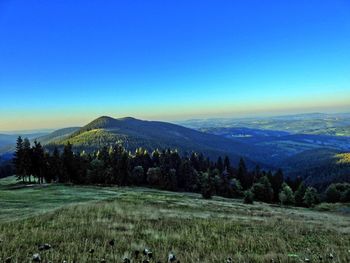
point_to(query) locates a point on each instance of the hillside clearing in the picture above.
(76, 219)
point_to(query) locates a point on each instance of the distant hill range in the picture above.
(337, 124)
(132, 133)
(270, 142)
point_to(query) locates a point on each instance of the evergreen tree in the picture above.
(55, 165)
(220, 164)
(67, 164)
(243, 176)
(18, 159)
(27, 159)
(299, 195)
(276, 183)
(227, 164)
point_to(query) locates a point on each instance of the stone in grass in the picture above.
(171, 257)
(45, 246)
(111, 242)
(91, 251)
(331, 256)
(228, 260)
(126, 260)
(36, 258)
(307, 260)
(148, 253)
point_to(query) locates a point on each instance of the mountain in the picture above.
(133, 133)
(57, 135)
(8, 141)
(319, 167)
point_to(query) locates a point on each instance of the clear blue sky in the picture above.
(65, 62)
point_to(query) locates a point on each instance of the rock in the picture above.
(171, 257)
(36, 258)
(91, 251)
(111, 242)
(45, 246)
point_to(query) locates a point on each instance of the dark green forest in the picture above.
(168, 170)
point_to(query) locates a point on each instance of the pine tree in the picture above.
(67, 164)
(220, 164)
(38, 162)
(27, 159)
(18, 159)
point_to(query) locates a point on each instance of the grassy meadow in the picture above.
(75, 219)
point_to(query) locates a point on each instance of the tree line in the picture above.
(162, 169)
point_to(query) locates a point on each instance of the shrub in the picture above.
(286, 196)
(311, 197)
(346, 196)
(248, 197)
(206, 186)
(332, 194)
(137, 175)
(154, 176)
(262, 190)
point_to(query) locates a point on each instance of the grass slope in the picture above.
(196, 230)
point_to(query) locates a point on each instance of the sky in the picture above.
(64, 63)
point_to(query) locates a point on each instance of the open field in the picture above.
(76, 219)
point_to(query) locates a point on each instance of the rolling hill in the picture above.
(319, 167)
(57, 135)
(311, 123)
(133, 133)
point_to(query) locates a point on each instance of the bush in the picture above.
(311, 197)
(248, 197)
(346, 196)
(154, 176)
(286, 196)
(262, 190)
(332, 194)
(206, 186)
(137, 175)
